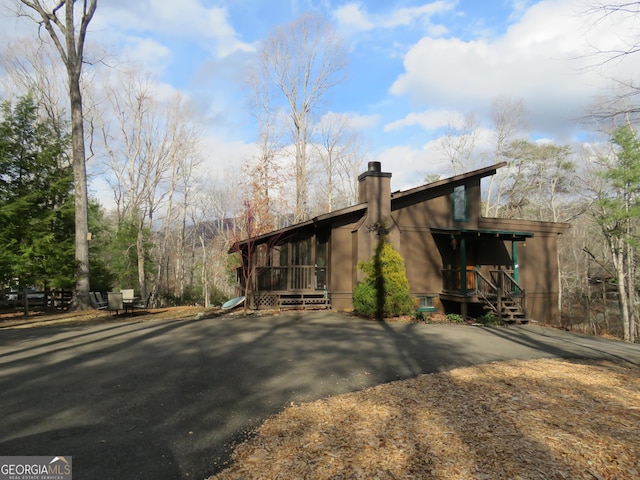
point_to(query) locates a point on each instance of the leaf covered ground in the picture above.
(67, 318)
(543, 419)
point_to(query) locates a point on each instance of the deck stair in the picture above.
(502, 296)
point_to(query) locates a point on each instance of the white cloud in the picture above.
(363, 122)
(429, 120)
(218, 152)
(355, 120)
(409, 166)
(209, 27)
(539, 59)
(147, 52)
(354, 16)
(407, 16)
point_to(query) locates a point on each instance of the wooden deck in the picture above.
(498, 292)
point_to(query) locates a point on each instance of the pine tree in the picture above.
(617, 214)
(36, 206)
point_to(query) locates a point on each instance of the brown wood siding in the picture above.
(341, 269)
(422, 261)
(538, 262)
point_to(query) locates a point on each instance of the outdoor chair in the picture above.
(115, 302)
(101, 300)
(97, 302)
(130, 300)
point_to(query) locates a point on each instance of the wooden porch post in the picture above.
(463, 276)
(514, 262)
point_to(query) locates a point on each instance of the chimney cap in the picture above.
(374, 169)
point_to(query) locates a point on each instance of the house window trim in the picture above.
(427, 303)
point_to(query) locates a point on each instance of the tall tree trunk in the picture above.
(71, 49)
(631, 288)
(619, 263)
(205, 276)
(302, 209)
(142, 276)
(81, 299)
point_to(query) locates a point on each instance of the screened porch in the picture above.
(290, 275)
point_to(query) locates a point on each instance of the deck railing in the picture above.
(509, 287)
(486, 289)
(451, 281)
(291, 278)
(476, 283)
(498, 289)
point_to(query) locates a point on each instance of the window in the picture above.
(460, 207)
(427, 303)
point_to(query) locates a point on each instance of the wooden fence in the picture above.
(27, 299)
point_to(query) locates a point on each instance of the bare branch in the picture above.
(303, 60)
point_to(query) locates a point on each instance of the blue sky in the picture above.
(414, 65)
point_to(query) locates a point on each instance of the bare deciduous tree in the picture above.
(459, 141)
(33, 68)
(264, 174)
(303, 60)
(540, 176)
(620, 104)
(68, 34)
(342, 153)
(149, 147)
(509, 123)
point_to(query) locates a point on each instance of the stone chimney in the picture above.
(374, 189)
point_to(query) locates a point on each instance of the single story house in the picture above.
(457, 261)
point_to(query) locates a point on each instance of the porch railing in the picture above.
(272, 278)
(452, 284)
(486, 289)
(499, 287)
(509, 289)
(291, 278)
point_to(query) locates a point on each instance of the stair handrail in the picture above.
(514, 286)
(481, 280)
(486, 287)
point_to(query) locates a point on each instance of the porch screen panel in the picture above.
(281, 272)
(301, 252)
(283, 256)
(302, 265)
(321, 263)
(273, 275)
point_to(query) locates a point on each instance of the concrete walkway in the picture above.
(167, 399)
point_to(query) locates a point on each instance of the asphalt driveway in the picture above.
(167, 399)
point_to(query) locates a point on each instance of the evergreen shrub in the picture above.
(384, 292)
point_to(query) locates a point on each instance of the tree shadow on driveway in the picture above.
(175, 395)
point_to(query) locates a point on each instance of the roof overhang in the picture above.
(496, 234)
(308, 227)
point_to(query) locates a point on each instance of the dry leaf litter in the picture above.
(543, 419)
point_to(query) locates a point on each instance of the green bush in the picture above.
(385, 290)
(217, 296)
(454, 317)
(489, 319)
(421, 317)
